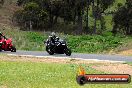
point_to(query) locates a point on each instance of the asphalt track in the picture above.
(75, 55)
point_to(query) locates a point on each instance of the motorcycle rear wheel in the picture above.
(0, 47)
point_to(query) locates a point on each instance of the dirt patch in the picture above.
(31, 59)
(3, 86)
(48, 60)
(115, 68)
(126, 52)
(103, 66)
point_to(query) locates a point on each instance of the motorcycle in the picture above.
(60, 47)
(6, 45)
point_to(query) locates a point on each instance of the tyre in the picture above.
(13, 49)
(0, 47)
(49, 50)
(68, 52)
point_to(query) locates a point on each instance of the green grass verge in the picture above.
(45, 75)
(129, 63)
(93, 44)
(34, 41)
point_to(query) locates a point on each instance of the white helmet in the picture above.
(53, 34)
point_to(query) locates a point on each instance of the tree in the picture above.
(98, 8)
(1, 2)
(123, 19)
(87, 10)
(76, 9)
(31, 16)
(70, 11)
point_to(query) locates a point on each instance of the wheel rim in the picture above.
(68, 52)
(13, 49)
(49, 50)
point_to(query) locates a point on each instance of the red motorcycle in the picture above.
(6, 45)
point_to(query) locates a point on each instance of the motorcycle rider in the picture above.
(53, 38)
(1, 38)
(56, 45)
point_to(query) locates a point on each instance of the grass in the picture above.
(24, 40)
(46, 75)
(34, 41)
(130, 63)
(92, 44)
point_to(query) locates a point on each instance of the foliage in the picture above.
(92, 44)
(31, 16)
(98, 11)
(84, 43)
(123, 19)
(35, 37)
(69, 11)
(34, 41)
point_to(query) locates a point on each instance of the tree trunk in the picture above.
(80, 18)
(94, 14)
(127, 30)
(114, 30)
(95, 20)
(80, 28)
(87, 19)
(30, 25)
(102, 23)
(74, 20)
(51, 21)
(55, 20)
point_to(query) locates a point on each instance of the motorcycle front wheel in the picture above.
(13, 49)
(68, 52)
(49, 50)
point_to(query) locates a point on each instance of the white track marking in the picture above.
(27, 55)
(39, 56)
(97, 60)
(106, 60)
(12, 54)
